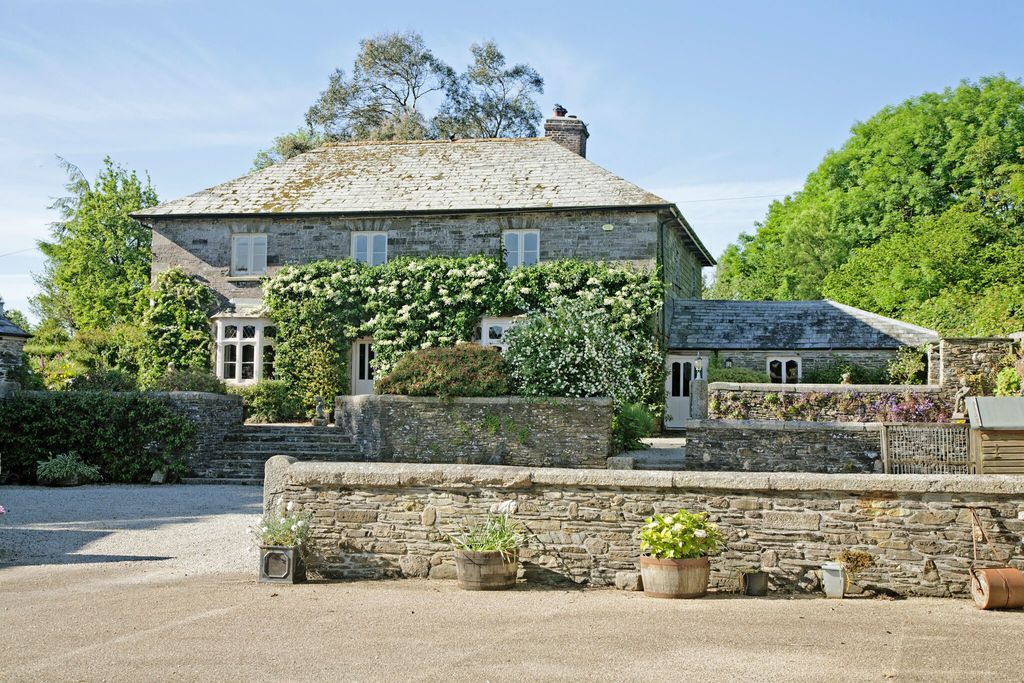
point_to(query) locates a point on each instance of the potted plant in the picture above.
(487, 554)
(676, 548)
(753, 581)
(836, 575)
(66, 469)
(283, 536)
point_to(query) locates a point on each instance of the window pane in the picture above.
(495, 333)
(792, 372)
(360, 248)
(228, 368)
(248, 361)
(240, 255)
(268, 362)
(362, 362)
(369, 361)
(259, 254)
(270, 332)
(511, 249)
(677, 373)
(531, 248)
(230, 331)
(249, 332)
(687, 376)
(380, 250)
(775, 371)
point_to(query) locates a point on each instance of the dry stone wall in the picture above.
(375, 520)
(550, 432)
(214, 416)
(826, 402)
(773, 446)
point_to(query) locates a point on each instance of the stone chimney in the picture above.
(568, 131)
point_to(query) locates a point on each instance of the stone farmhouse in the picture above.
(532, 199)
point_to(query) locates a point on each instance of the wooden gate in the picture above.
(925, 448)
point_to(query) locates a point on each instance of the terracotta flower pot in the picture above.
(675, 578)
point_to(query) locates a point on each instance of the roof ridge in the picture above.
(358, 143)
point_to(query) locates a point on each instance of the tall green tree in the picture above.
(98, 259)
(397, 89)
(923, 204)
(491, 99)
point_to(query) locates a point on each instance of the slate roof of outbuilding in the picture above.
(9, 329)
(428, 176)
(786, 325)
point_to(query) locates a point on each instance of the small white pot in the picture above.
(833, 577)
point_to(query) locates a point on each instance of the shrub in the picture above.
(66, 467)
(127, 436)
(177, 326)
(1008, 382)
(682, 536)
(631, 422)
(573, 350)
(188, 380)
(465, 370)
(908, 367)
(105, 380)
(271, 400)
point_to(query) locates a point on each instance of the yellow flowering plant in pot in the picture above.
(675, 550)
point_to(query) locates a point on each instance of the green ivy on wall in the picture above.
(413, 303)
(176, 326)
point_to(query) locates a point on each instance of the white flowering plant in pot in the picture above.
(284, 527)
(676, 549)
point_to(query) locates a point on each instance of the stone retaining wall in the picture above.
(373, 520)
(550, 432)
(214, 416)
(773, 446)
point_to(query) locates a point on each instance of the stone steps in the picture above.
(245, 451)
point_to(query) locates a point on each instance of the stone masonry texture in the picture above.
(389, 520)
(10, 355)
(201, 246)
(753, 396)
(214, 416)
(561, 432)
(773, 446)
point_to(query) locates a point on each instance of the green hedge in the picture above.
(465, 370)
(127, 436)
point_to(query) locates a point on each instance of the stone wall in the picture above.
(773, 446)
(201, 246)
(819, 402)
(10, 356)
(374, 520)
(214, 415)
(810, 361)
(507, 430)
(976, 360)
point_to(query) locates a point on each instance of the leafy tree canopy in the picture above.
(388, 93)
(98, 261)
(918, 216)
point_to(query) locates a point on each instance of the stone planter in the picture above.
(833, 579)
(675, 578)
(754, 583)
(488, 570)
(281, 564)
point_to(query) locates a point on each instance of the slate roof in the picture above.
(9, 329)
(786, 325)
(429, 176)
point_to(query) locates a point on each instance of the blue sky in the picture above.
(696, 101)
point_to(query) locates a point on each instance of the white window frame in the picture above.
(371, 253)
(485, 338)
(783, 360)
(259, 341)
(518, 257)
(252, 266)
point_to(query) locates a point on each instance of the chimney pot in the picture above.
(568, 131)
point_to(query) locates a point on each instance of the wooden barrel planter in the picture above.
(487, 570)
(675, 578)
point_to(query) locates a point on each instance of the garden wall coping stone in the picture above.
(282, 470)
(789, 425)
(828, 388)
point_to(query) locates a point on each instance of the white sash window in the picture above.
(522, 248)
(248, 255)
(370, 248)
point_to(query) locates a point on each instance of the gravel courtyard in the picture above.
(138, 583)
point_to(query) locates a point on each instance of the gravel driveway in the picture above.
(165, 530)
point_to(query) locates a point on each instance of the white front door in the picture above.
(362, 369)
(677, 390)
